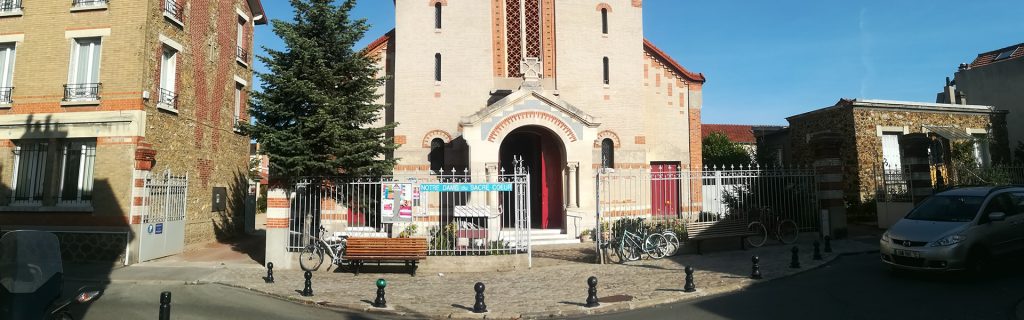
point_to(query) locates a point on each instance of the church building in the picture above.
(571, 86)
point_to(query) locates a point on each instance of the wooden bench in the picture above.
(718, 229)
(407, 250)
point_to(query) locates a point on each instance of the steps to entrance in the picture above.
(544, 237)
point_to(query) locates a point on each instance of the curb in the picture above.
(608, 308)
(138, 282)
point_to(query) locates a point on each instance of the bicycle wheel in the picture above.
(673, 243)
(758, 234)
(311, 258)
(628, 251)
(656, 246)
(788, 231)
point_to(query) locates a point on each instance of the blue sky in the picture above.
(766, 60)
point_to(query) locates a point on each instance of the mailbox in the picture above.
(220, 199)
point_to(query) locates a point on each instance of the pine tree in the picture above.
(317, 113)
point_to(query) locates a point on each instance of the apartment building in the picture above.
(118, 122)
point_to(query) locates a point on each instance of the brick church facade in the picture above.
(570, 85)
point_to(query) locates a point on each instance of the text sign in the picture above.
(159, 228)
(465, 187)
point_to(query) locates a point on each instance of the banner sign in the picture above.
(396, 202)
(465, 187)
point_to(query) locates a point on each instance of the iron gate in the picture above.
(459, 212)
(163, 221)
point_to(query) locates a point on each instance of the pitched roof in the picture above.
(1008, 53)
(738, 133)
(380, 42)
(256, 7)
(665, 58)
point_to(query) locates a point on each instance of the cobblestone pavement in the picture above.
(554, 287)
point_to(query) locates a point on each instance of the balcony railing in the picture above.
(88, 3)
(10, 5)
(174, 9)
(5, 94)
(81, 91)
(242, 54)
(168, 98)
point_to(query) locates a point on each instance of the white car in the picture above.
(960, 229)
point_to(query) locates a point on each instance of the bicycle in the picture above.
(633, 245)
(312, 255)
(671, 239)
(784, 230)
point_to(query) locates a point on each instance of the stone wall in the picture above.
(837, 120)
(869, 123)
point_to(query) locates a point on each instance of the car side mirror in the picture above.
(996, 216)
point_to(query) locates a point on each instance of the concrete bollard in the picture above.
(592, 292)
(689, 286)
(380, 302)
(479, 306)
(817, 250)
(165, 305)
(755, 273)
(795, 262)
(270, 273)
(307, 291)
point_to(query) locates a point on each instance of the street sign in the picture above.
(465, 187)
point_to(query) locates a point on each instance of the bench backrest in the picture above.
(386, 247)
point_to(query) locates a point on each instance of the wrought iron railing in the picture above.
(242, 54)
(174, 9)
(81, 91)
(168, 98)
(5, 94)
(88, 3)
(10, 5)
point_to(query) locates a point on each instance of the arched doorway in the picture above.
(544, 158)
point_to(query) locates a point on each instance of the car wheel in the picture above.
(979, 262)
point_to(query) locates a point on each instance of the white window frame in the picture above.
(899, 161)
(7, 67)
(38, 182)
(168, 75)
(239, 87)
(94, 56)
(86, 170)
(242, 22)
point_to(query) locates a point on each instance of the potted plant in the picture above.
(585, 235)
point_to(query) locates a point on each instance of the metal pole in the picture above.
(597, 212)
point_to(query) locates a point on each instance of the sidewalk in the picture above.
(549, 290)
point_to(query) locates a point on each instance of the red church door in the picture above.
(665, 178)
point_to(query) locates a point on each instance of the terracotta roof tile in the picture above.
(990, 57)
(654, 51)
(738, 133)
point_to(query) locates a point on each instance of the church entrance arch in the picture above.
(544, 159)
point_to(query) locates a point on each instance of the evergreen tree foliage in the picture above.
(317, 112)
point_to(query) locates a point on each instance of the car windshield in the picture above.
(947, 208)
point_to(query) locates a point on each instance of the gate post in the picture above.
(914, 154)
(278, 207)
(828, 170)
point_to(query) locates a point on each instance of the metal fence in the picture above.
(968, 175)
(893, 184)
(667, 194)
(459, 213)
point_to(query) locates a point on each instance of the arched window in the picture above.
(437, 67)
(437, 15)
(436, 155)
(606, 70)
(607, 153)
(604, 21)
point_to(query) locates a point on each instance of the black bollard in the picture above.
(270, 273)
(308, 290)
(817, 250)
(479, 306)
(828, 244)
(165, 305)
(689, 286)
(755, 273)
(592, 292)
(795, 263)
(380, 302)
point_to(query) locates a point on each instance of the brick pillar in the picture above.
(828, 168)
(914, 157)
(278, 210)
(145, 157)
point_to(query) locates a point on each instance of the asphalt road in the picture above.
(859, 287)
(141, 301)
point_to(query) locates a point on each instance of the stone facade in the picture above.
(136, 130)
(859, 125)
